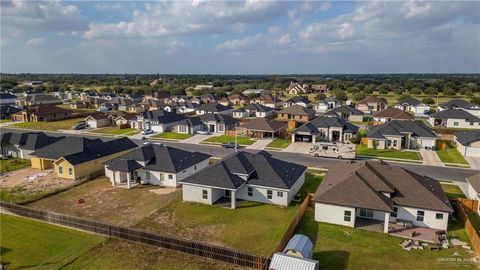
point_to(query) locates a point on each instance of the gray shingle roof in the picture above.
(296, 99)
(219, 118)
(264, 124)
(28, 140)
(396, 128)
(214, 107)
(327, 122)
(162, 116)
(409, 101)
(361, 184)
(468, 136)
(263, 170)
(455, 114)
(345, 110)
(456, 103)
(257, 107)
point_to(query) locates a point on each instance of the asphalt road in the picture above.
(441, 173)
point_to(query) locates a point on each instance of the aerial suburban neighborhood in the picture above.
(240, 135)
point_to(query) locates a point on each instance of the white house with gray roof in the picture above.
(458, 103)
(245, 176)
(327, 129)
(398, 134)
(346, 112)
(156, 165)
(454, 118)
(414, 106)
(468, 142)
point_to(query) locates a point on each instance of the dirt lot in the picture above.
(32, 180)
(105, 203)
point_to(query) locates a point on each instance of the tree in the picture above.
(475, 100)
(340, 95)
(320, 96)
(360, 86)
(428, 100)
(415, 91)
(449, 92)
(358, 96)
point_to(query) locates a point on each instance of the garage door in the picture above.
(473, 151)
(303, 138)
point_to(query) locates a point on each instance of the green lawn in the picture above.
(172, 136)
(49, 126)
(279, 143)
(450, 154)
(114, 130)
(386, 153)
(241, 140)
(5, 120)
(452, 191)
(371, 250)
(12, 164)
(35, 245)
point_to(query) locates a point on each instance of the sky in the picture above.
(240, 37)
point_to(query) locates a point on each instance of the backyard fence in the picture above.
(470, 204)
(472, 233)
(287, 235)
(188, 246)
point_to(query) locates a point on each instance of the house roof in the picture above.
(162, 116)
(468, 136)
(219, 118)
(77, 150)
(396, 128)
(362, 184)
(97, 116)
(345, 110)
(372, 99)
(326, 122)
(46, 110)
(214, 107)
(297, 110)
(41, 97)
(263, 124)
(257, 107)
(7, 96)
(6, 109)
(297, 99)
(158, 157)
(285, 261)
(456, 103)
(256, 169)
(393, 113)
(191, 121)
(455, 114)
(300, 243)
(409, 101)
(28, 140)
(474, 181)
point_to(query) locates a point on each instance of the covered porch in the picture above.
(228, 199)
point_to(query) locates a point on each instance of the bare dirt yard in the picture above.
(102, 202)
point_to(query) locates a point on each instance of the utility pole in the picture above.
(236, 145)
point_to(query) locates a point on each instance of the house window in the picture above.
(205, 194)
(269, 194)
(471, 123)
(60, 170)
(170, 176)
(455, 124)
(366, 213)
(347, 216)
(395, 211)
(420, 215)
(439, 216)
(280, 194)
(389, 143)
(147, 175)
(70, 171)
(250, 191)
(395, 143)
(162, 177)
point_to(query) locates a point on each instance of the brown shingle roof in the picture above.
(372, 99)
(297, 110)
(394, 113)
(47, 109)
(264, 124)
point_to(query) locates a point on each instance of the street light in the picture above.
(235, 130)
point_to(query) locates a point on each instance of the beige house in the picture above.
(371, 104)
(399, 135)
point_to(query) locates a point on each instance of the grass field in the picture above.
(371, 250)
(12, 164)
(20, 195)
(452, 191)
(226, 139)
(387, 153)
(114, 130)
(172, 136)
(279, 143)
(49, 126)
(450, 154)
(5, 120)
(34, 245)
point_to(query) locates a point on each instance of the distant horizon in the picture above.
(243, 74)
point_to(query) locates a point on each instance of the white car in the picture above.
(146, 132)
(203, 132)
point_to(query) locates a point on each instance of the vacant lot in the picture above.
(105, 203)
(172, 136)
(450, 154)
(116, 131)
(338, 247)
(28, 184)
(386, 153)
(12, 164)
(34, 245)
(226, 139)
(49, 126)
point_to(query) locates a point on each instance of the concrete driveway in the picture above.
(474, 162)
(298, 147)
(260, 144)
(197, 138)
(430, 157)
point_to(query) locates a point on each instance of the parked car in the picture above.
(146, 132)
(81, 125)
(203, 132)
(230, 145)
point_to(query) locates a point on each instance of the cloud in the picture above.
(242, 43)
(35, 42)
(285, 39)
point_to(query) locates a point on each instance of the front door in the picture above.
(228, 193)
(211, 128)
(335, 136)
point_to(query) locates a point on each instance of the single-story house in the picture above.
(35, 100)
(79, 158)
(258, 110)
(21, 145)
(234, 99)
(473, 189)
(267, 100)
(152, 104)
(7, 98)
(42, 113)
(158, 120)
(296, 114)
(252, 177)
(454, 118)
(298, 100)
(98, 120)
(214, 108)
(457, 103)
(263, 128)
(218, 123)
(295, 88)
(189, 125)
(414, 106)
(323, 128)
(371, 104)
(346, 112)
(401, 135)
(208, 98)
(7, 110)
(390, 114)
(154, 164)
(468, 142)
(369, 191)
(327, 104)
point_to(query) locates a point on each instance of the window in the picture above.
(439, 216)
(366, 213)
(147, 175)
(205, 194)
(60, 170)
(195, 168)
(269, 194)
(389, 143)
(395, 143)
(455, 124)
(395, 211)
(162, 177)
(70, 171)
(347, 216)
(471, 123)
(170, 176)
(250, 192)
(420, 215)
(279, 194)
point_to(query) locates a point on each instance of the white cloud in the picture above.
(285, 39)
(35, 42)
(242, 43)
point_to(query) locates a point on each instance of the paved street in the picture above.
(441, 173)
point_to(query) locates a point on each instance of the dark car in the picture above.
(230, 145)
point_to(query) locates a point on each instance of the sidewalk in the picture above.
(430, 158)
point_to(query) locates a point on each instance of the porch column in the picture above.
(128, 180)
(273, 135)
(313, 138)
(385, 225)
(233, 200)
(293, 137)
(113, 176)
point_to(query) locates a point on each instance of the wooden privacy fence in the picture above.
(471, 232)
(193, 247)
(470, 204)
(293, 224)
